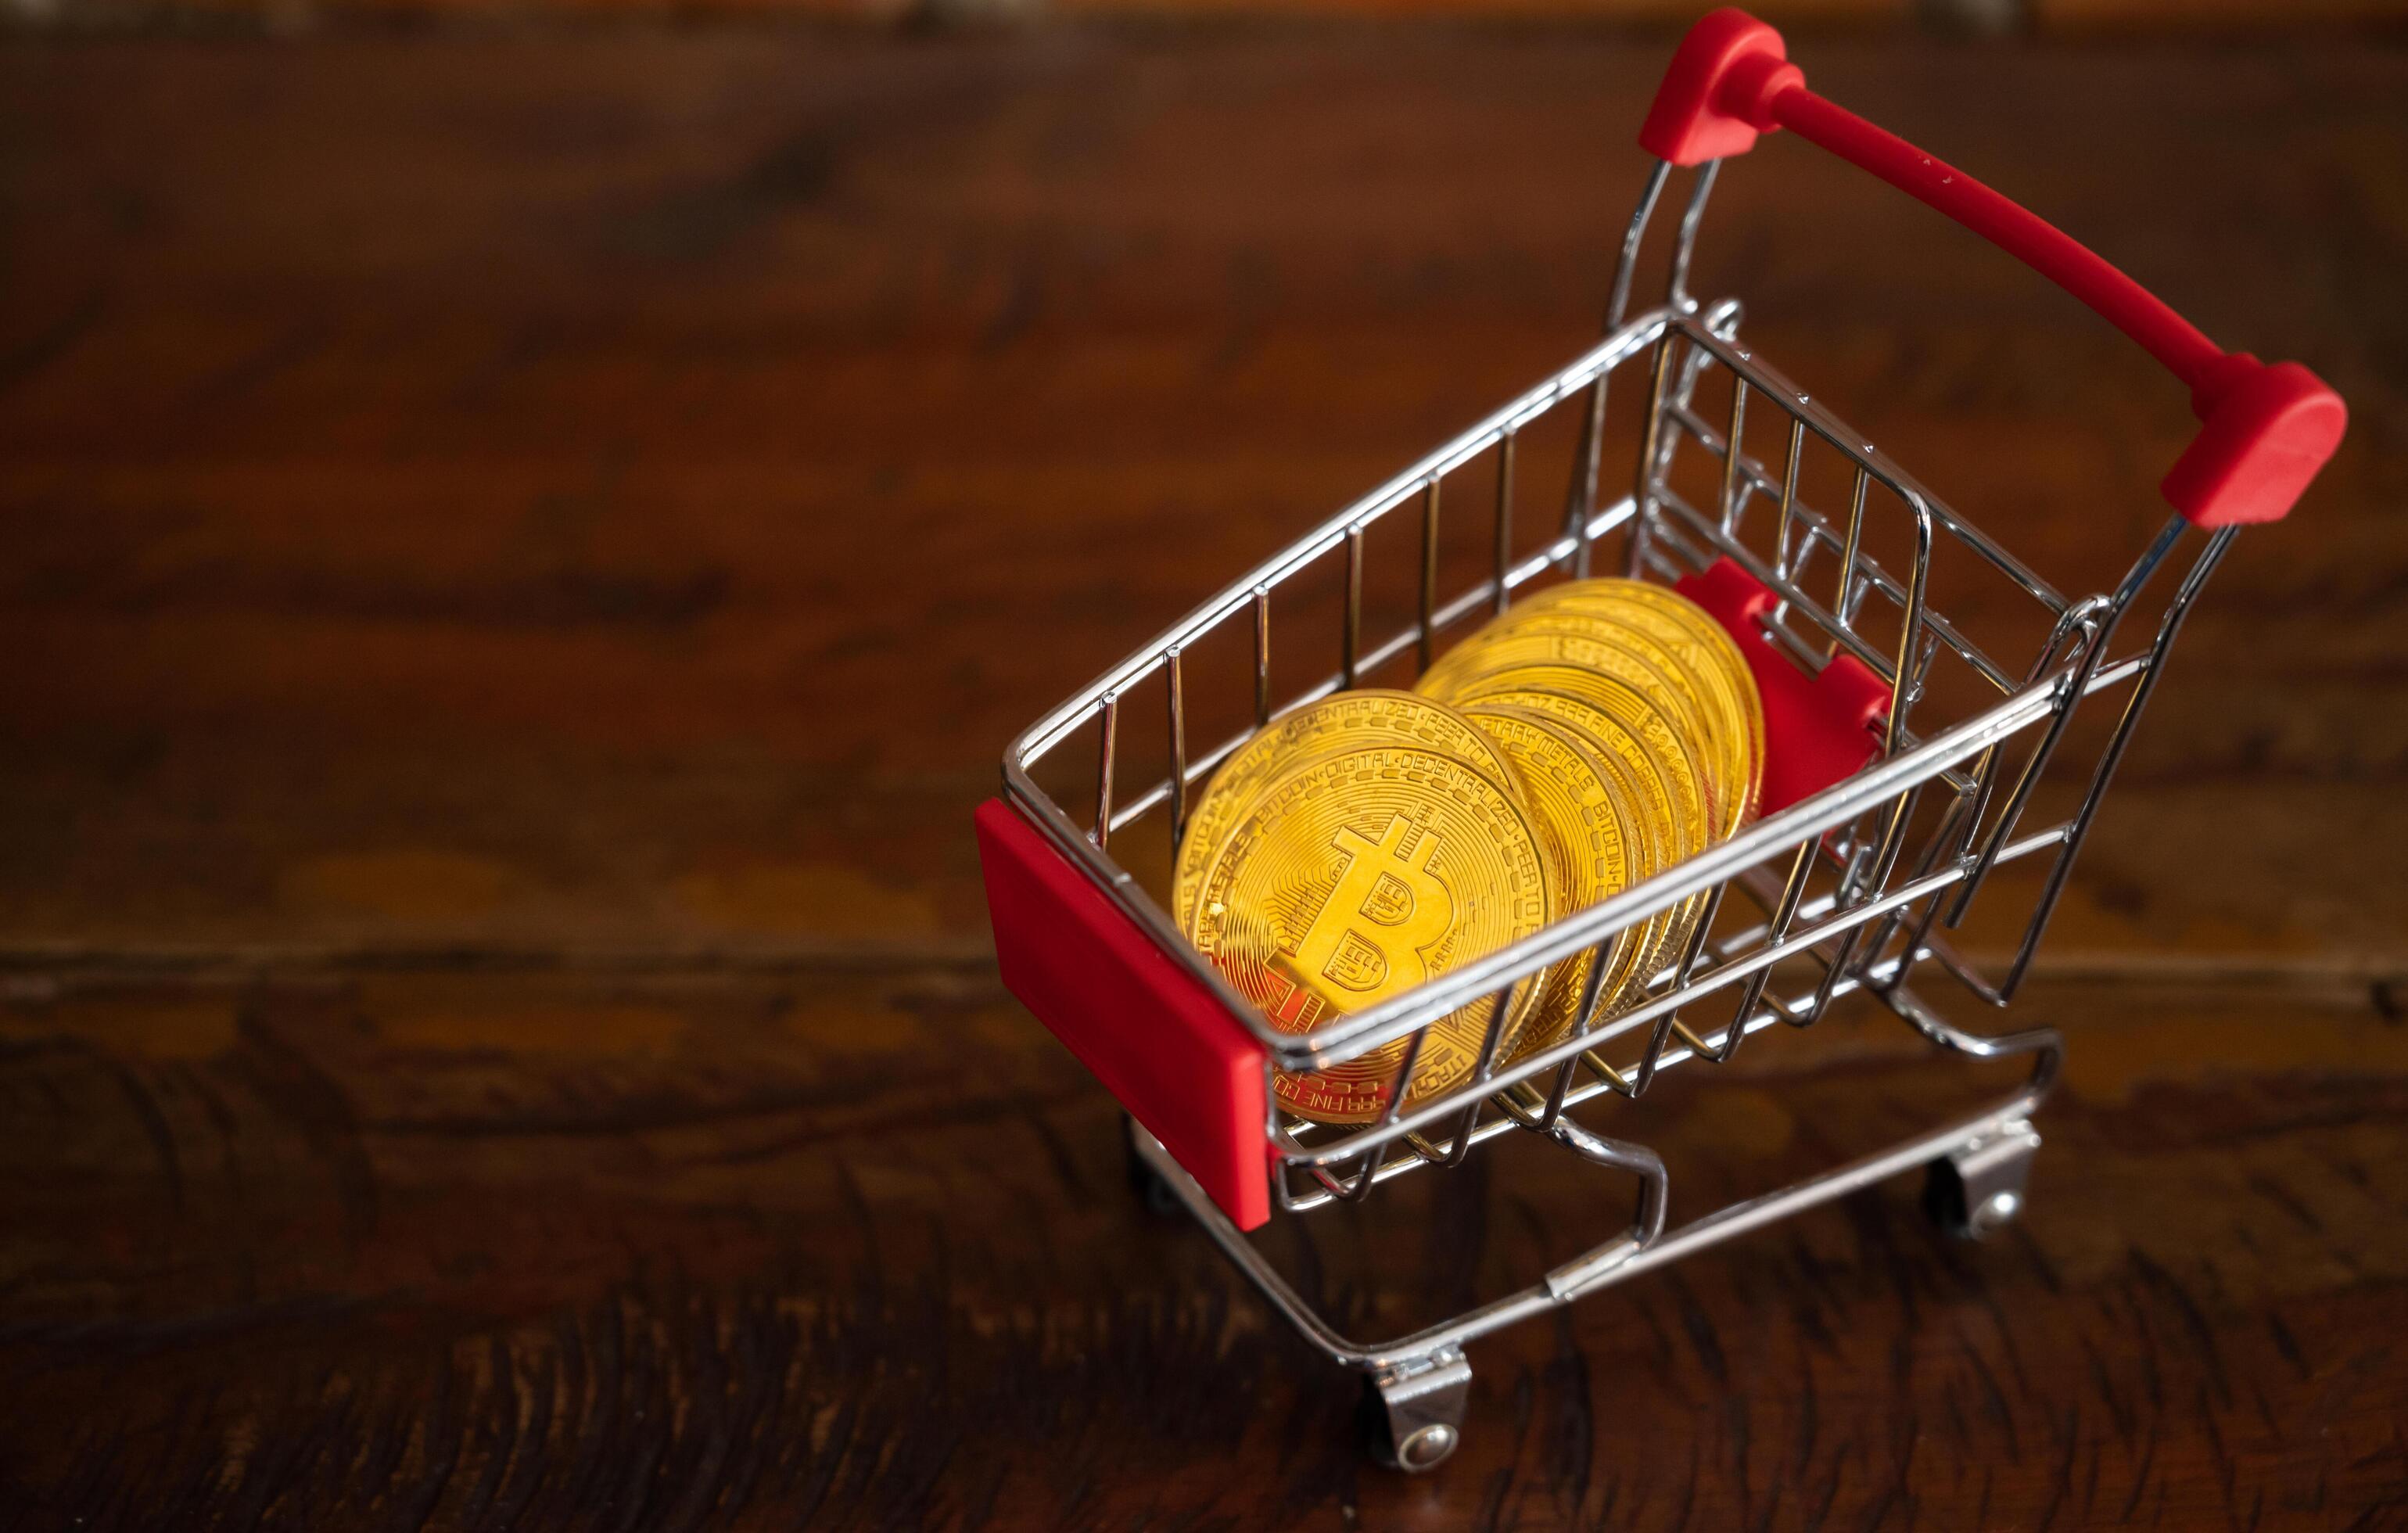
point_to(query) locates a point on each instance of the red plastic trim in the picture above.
(2264, 431)
(1162, 1043)
(2263, 438)
(1728, 60)
(1817, 729)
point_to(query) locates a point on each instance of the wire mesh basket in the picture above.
(1918, 678)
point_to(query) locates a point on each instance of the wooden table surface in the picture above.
(523, 550)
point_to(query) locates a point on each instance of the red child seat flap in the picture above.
(1817, 729)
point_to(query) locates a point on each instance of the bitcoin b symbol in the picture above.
(1373, 931)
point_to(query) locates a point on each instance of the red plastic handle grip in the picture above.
(2265, 429)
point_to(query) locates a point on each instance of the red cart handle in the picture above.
(2264, 429)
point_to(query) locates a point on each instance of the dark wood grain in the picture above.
(694, 1249)
(2219, 20)
(524, 552)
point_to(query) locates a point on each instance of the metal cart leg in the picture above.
(1414, 1412)
(1154, 1192)
(1979, 1188)
(1415, 1388)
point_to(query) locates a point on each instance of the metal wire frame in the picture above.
(1580, 1070)
(1088, 845)
(1422, 486)
(1855, 831)
(1646, 1243)
(1829, 929)
(2071, 662)
(1842, 895)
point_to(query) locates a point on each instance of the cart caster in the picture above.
(1144, 1180)
(1413, 1416)
(1978, 1190)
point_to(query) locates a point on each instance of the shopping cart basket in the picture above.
(1905, 746)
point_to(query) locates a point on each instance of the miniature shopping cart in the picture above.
(1906, 750)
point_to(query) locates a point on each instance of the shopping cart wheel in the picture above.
(1412, 1415)
(1978, 1189)
(1144, 1180)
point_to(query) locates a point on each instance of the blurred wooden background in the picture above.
(525, 546)
(2258, 19)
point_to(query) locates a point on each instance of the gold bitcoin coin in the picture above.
(1573, 640)
(1343, 722)
(1572, 795)
(1358, 877)
(1640, 715)
(1725, 732)
(1700, 646)
(1629, 724)
(1625, 764)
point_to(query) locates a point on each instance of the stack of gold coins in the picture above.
(1361, 845)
